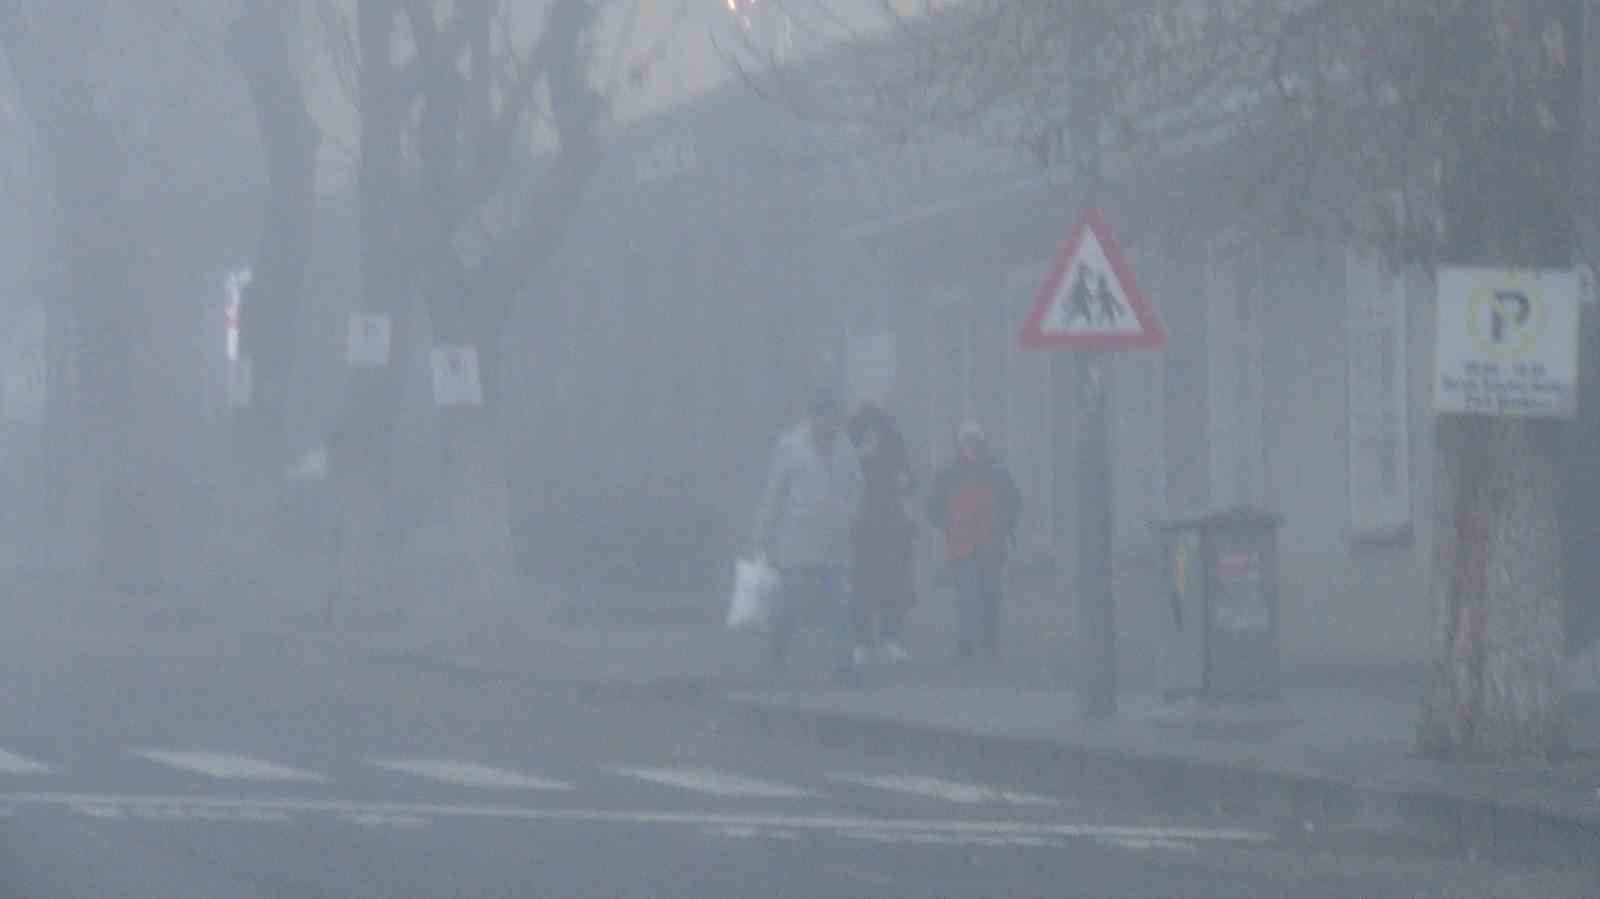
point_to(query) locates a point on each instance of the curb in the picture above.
(677, 690)
(1473, 828)
(1469, 827)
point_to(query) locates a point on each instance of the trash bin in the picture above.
(1220, 615)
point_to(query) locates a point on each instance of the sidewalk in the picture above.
(1336, 753)
(1325, 755)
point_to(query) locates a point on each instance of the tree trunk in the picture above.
(363, 444)
(485, 587)
(99, 498)
(259, 45)
(1496, 607)
(484, 584)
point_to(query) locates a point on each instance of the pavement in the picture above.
(1337, 750)
(190, 759)
(1335, 754)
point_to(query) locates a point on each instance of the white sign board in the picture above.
(234, 287)
(455, 376)
(241, 383)
(368, 342)
(1507, 343)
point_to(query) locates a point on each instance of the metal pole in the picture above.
(1097, 626)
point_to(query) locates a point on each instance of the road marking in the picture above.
(210, 815)
(1143, 844)
(751, 833)
(118, 804)
(1019, 840)
(948, 791)
(96, 811)
(11, 763)
(376, 819)
(470, 774)
(227, 766)
(715, 783)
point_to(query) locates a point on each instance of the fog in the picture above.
(495, 321)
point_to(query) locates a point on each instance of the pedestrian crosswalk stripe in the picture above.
(120, 805)
(948, 791)
(715, 783)
(470, 774)
(11, 763)
(228, 766)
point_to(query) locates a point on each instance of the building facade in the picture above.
(735, 254)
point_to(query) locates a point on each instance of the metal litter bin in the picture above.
(1220, 615)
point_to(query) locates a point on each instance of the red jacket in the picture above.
(976, 504)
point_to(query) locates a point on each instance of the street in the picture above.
(274, 767)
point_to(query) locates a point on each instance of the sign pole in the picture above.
(1096, 613)
(1090, 304)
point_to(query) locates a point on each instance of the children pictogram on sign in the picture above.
(1090, 298)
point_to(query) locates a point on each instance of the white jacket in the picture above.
(810, 502)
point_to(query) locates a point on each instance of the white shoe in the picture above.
(893, 652)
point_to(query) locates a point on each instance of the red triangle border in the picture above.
(1150, 333)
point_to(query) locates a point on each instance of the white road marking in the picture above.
(117, 804)
(1028, 841)
(232, 815)
(92, 810)
(751, 833)
(11, 763)
(1143, 844)
(948, 791)
(470, 774)
(227, 766)
(715, 783)
(383, 820)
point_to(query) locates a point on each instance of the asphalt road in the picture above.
(265, 768)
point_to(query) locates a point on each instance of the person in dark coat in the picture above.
(975, 502)
(883, 538)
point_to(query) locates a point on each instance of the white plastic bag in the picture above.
(755, 591)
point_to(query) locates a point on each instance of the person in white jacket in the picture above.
(812, 497)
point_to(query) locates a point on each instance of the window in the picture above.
(1377, 430)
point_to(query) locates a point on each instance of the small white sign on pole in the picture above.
(368, 343)
(1507, 343)
(241, 383)
(456, 380)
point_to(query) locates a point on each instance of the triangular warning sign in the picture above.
(1090, 299)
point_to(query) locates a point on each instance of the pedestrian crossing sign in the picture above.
(1090, 299)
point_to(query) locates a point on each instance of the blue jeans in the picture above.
(820, 593)
(979, 585)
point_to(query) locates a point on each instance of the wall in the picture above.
(1343, 592)
(1199, 426)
